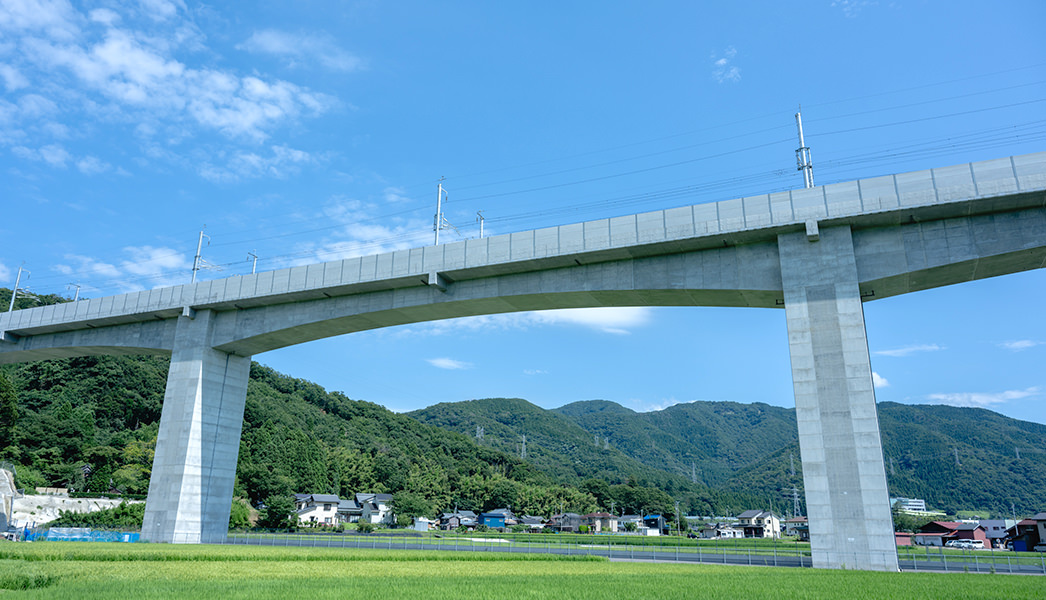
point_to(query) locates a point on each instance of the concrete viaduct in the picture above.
(818, 253)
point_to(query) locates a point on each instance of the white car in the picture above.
(1039, 548)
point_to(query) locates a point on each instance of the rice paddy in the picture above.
(102, 570)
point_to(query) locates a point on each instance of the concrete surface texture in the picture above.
(816, 252)
(847, 500)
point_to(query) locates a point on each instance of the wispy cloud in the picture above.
(130, 64)
(908, 350)
(448, 363)
(279, 162)
(723, 68)
(144, 267)
(5, 274)
(302, 49)
(980, 400)
(1018, 345)
(535, 372)
(614, 321)
(878, 381)
(851, 8)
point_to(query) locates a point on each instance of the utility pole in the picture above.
(14, 292)
(802, 154)
(480, 218)
(254, 265)
(440, 221)
(196, 266)
(76, 296)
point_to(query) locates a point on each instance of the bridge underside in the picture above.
(819, 276)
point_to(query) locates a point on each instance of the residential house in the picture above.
(721, 531)
(532, 523)
(565, 523)
(461, 518)
(600, 522)
(376, 509)
(1028, 533)
(493, 520)
(656, 522)
(995, 529)
(790, 525)
(320, 509)
(934, 533)
(759, 524)
(422, 524)
(624, 520)
(349, 511)
(510, 518)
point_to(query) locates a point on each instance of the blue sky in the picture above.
(310, 131)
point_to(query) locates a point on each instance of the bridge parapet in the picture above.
(1004, 184)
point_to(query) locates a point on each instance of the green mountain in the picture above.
(753, 448)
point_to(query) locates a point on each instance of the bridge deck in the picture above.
(999, 185)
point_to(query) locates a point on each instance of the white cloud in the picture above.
(91, 165)
(448, 363)
(851, 8)
(146, 267)
(907, 350)
(5, 273)
(980, 400)
(120, 62)
(723, 68)
(13, 78)
(301, 49)
(1018, 345)
(280, 163)
(878, 381)
(52, 154)
(55, 18)
(616, 321)
(535, 372)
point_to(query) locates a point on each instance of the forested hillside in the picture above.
(90, 424)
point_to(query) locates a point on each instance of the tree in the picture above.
(8, 412)
(277, 513)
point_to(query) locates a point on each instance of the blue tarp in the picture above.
(85, 534)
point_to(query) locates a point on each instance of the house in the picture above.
(422, 524)
(492, 520)
(1028, 533)
(902, 538)
(510, 519)
(461, 518)
(656, 522)
(376, 509)
(600, 522)
(790, 525)
(532, 523)
(759, 524)
(624, 520)
(349, 511)
(970, 531)
(565, 523)
(995, 529)
(321, 509)
(934, 533)
(721, 531)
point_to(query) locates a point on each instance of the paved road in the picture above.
(973, 562)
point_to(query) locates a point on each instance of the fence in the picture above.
(780, 554)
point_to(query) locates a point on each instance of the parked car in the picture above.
(1039, 548)
(974, 544)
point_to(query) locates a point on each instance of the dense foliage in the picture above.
(90, 424)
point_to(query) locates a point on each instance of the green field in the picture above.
(99, 570)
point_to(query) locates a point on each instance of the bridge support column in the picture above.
(190, 491)
(848, 503)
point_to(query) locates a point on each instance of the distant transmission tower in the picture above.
(523, 448)
(479, 433)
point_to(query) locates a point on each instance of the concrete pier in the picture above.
(847, 500)
(194, 468)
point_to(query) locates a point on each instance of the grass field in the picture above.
(100, 570)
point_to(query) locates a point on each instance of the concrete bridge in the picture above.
(818, 253)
